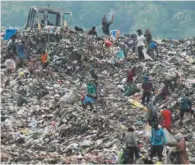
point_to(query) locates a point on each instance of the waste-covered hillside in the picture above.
(39, 126)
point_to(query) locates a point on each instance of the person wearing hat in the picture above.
(158, 140)
(166, 119)
(140, 44)
(181, 148)
(185, 107)
(132, 148)
(147, 90)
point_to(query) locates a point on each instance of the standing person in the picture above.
(157, 141)
(107, 20)
(185, 107)
(152, 117)
(140, 44)
(166, 119)
(93, 31)
(148, 36)
(21, 53)
(13, 45)
(131, 144)
(181, 149)
(147, 90)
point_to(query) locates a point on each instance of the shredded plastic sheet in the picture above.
(137, 104)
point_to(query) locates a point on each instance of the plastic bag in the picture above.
(10, 64)
(170, 139)
(70, 97)
(146, 56)
(147, 130)
(121, 54)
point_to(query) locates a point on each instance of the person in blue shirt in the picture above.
(158, 140)
(21, 53)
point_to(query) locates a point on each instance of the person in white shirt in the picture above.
(140, 44)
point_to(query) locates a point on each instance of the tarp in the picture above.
(170, 139)
(115, 34)
(137, 104)
(9, 33)
(120, 54)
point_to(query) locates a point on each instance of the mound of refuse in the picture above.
(42, 120)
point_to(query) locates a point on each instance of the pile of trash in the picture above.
(41, 114)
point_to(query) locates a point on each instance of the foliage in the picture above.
(164, 19)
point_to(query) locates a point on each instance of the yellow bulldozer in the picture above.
(38, 18)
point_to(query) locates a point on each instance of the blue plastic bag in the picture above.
(120, 54)
(153, 45)
(9, 33)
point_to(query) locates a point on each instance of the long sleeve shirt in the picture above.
(153, 139)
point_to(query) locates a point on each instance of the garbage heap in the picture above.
(39, 126)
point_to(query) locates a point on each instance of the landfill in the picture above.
(42, 120)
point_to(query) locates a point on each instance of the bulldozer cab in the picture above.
(41, 17)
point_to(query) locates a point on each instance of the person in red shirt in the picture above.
(130, 76)
(166, 118)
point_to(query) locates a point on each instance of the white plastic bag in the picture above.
(10, 64)
(147, 131)
(70, 97)
(146, 56)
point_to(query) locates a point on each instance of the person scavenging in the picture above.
(93, 31)
(140, 44)
(132, 148)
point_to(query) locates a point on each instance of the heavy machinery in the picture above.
(42, 17)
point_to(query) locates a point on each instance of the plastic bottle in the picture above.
(33, 124)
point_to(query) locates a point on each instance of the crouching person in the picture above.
(87, 101)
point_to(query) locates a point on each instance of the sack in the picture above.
(170, 139)
(10, 64)
(157, 135)
(109, 18)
